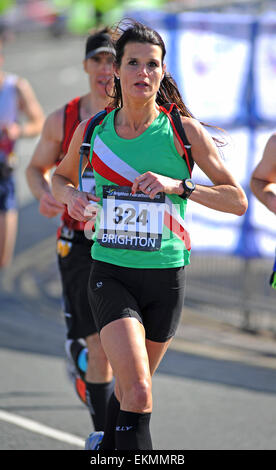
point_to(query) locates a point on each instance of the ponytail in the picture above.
(169, 93)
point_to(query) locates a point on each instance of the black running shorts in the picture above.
(154, 296)
(74, 261)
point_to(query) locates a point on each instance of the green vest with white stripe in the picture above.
(116, 162)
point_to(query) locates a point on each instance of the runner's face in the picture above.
(100, 71)
(141, 70)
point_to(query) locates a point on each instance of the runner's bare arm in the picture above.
(226, 195)
(45, 156)
(263, 180)
(30, 106)
(66, 179)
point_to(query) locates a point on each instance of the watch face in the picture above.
(189, 184)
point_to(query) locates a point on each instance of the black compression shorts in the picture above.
(154, 296)
(74, 261)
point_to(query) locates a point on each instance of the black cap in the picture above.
(98, 43)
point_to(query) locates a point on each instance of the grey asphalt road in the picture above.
(216, 387)
(220, 397)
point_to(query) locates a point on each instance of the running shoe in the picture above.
(93, 441)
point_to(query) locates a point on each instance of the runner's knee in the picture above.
(137, 397)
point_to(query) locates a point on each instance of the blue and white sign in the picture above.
(225, 68)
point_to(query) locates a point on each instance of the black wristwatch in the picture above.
(188, 186)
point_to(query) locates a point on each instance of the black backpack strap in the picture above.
(89, 129)
(87, 135)
(171, 110)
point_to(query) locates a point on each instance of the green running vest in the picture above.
(116, 162)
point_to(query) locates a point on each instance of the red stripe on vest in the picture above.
(174, 226)
(106, 172)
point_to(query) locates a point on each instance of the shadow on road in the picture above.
(36, 333)
(229, 373)
(33, 227)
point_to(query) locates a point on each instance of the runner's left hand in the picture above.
(13, 131)
(151, 183)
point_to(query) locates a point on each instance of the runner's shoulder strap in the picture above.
(171, 110)
(89, 129)
(87, 136)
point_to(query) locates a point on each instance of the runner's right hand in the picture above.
(49, 206)
(79, 206)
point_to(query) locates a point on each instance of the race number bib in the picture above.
(132, 222)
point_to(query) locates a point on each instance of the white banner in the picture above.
(213, 63)
(265, 68)
(217, 231)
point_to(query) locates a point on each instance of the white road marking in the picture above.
(36, 427)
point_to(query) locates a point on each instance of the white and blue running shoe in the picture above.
(93, 441)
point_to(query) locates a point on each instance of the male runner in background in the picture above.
(73, 248)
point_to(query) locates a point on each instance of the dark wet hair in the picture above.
(137, 32)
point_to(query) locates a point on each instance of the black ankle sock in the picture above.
(98, 395)
(108, 442)
(132, 431)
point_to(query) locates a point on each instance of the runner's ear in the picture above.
(116, 71)
(164, 71)
(84, 62)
